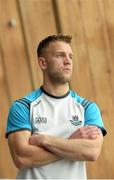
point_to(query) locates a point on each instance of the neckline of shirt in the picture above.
(56, 97)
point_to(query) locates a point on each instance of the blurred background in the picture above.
(23, 23)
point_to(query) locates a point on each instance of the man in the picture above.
(52, 131)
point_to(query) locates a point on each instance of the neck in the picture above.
(56, 89)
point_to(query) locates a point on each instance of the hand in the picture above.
(86, 132)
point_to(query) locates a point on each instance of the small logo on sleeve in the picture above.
(75, 120)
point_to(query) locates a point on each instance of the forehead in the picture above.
(59, 46)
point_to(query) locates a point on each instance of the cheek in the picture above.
(54, 66)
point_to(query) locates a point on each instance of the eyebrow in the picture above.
(63, 52)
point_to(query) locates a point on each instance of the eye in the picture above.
(71, 56)
(58, 55)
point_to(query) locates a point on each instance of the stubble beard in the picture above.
(59, 78)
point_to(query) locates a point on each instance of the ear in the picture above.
(42, 63)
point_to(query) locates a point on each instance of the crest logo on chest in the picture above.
(75, 120)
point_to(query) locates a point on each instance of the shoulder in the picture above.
(86, 103)
(20, 108)
(32, 96)
(27, 100)
(19, 113)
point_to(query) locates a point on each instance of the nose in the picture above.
(67, 60)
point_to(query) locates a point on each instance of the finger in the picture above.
(93, 134)
(97, 130)
(90, 127)
(86, 130)
(93, 131)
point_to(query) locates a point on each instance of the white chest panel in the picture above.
(59, 117)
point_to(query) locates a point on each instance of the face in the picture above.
(58, 60)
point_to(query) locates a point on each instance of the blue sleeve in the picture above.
(18, 118)
(93, 117)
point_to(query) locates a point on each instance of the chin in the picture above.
(65, 80)
(61, 78)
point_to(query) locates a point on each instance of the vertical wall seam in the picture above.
(107, 42)
(87, 50)
(5, 75)
(25, 45)
(57, 17)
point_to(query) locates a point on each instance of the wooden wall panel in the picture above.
(7, 168)
(107, 9)
(15, 60)
(38, 21)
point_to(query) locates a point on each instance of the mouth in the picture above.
(67, 70)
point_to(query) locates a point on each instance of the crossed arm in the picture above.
(26, 155)
(37, 150)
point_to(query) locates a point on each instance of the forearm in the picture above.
(43, 156)
(27, 155)
(74, 149)
(36, 156)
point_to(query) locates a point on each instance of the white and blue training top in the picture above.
(41, 112)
